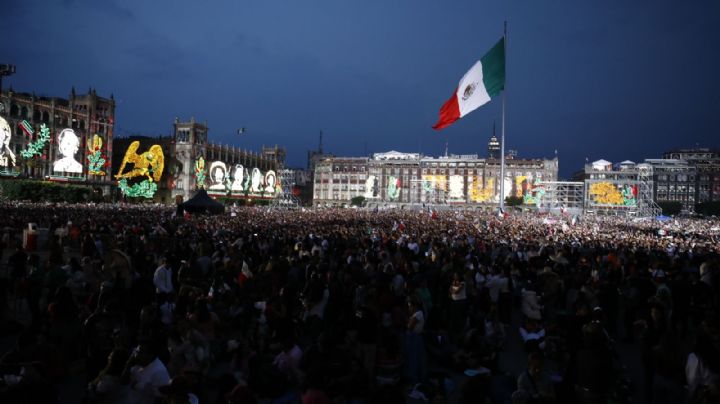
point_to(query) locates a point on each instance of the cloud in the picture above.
(107, 7)
(155, 56)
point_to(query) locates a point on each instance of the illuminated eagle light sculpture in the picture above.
(149, 164)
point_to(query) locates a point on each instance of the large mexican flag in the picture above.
(479, 85)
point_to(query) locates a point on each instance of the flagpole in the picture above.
(502, 141)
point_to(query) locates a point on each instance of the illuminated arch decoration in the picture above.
(36, 148)
(200, 172)
(148, 165)
(97, 160)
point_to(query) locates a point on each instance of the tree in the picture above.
(514, 200)
(708, 208)
(357, 201)
(670, 208)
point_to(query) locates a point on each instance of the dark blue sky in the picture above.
(603, 79)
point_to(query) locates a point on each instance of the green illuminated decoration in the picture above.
(393, 188)
(149, 165)
(200, 172)
(144, 189)
(97, 160)
(36, 148)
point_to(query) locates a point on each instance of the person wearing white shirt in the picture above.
(495, 284)
(163, 278)
(146, 375)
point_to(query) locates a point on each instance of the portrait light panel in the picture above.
(256, 181)
(7, 157)
(456, 187)
(371, 187)
(271, 183)
(218, 176)
(239, 177)
(67, 146)
(394, 187)
(146, 172)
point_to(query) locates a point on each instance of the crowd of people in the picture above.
(356, 306)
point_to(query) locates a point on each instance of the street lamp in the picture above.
(5, 70)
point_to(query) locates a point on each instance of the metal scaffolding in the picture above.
(560, 195)
(646, 206)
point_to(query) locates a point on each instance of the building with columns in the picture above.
(402, 179)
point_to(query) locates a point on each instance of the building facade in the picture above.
(674, 181)
(706, 163)
(400, 179)
(192, 162)
(61, 139)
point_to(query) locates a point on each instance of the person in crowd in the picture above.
(270, 304)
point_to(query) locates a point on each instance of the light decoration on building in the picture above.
(455, 185)
(36, 148)
(533, 193)
(393, 188)
(371, 187)
(149, 164)
(480, 193)
(272, 185)
(200, 172)
(219, 177)
(607, 193)
(519, 179)
(144, 189)
(68, 144)
(27, 128)
(97, 160)
(7, 157)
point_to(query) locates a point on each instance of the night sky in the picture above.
(602, 79)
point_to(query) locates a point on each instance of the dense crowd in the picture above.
(356, 306)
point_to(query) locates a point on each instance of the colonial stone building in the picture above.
(192, 162)
(402, 179)
(64, 139)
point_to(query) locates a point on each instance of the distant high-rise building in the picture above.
(494, 147)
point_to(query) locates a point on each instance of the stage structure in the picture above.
(623, 189)
(646, 204)
(284, 198)
(557, 196)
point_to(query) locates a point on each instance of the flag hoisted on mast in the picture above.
(484, 81)
(502, 135)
